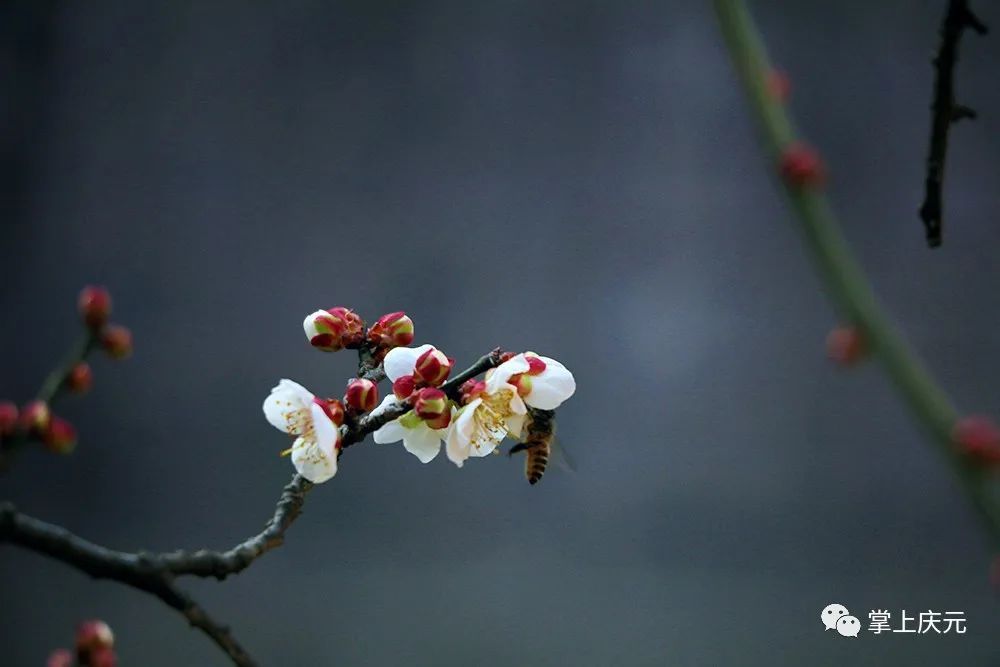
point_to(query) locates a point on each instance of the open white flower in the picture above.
(478, 427)
(542, 382)
(418, 438)
(401, 361)
(293, 409)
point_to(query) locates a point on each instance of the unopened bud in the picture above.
(334, 329)
(80, 378)
(801, 166)
(361, 395)
(60, 658)
(94, 304)
(392, 330)
(102, 657)
(60, 436)
(432, 367)
(403, 387)
(117, 341)
(333, 408)
(93, 635)
(35, 417)
(846, 346)
(431, 403)
(978, 438)
(470, 389)
(507, 356)
(441, 422)
(354, 333)
(8, 418)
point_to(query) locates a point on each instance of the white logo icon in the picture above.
(833, 613)
(849, 626)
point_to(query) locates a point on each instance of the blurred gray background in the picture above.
(577, 178)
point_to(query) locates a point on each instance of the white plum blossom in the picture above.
(418, 438)
(293, 409)
(500, 409)
(401, 361)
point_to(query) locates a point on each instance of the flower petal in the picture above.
(287, 407)
(501, 374)
(423, 442)
(392, 432)
(553, 386)
(312, 462)
(458, 439)
(325, 432)
(399, 362)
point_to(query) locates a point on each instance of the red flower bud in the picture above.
(403, 387)
(978, 438)
(102, 657)
(334, 329)
(801, 166)
(60, 658)
(507, 356)
(470, 389)
(80, 378)
(93, 635)
(333, 408)
(846, 346)
(35, 417)
(361, 395)
(392, 330)
(535, 364)
(60, 436)
(8, 418)
(441, 422)
(430, 403)
(94, 304)
(432, 367)
(117, 341)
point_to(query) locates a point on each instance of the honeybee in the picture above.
(536, 442)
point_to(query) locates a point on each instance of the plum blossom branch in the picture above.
(944, 111)
(965, 444)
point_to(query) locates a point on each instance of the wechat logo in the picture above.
(836, 617)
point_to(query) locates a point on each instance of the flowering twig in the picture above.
(845, 280)
(945, 111)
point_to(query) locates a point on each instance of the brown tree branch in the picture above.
(945, 112)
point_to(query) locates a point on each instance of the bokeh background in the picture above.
(577, 178)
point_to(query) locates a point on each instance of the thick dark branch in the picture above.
(945, 112)
(140, 571)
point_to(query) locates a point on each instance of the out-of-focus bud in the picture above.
(361, 395)
(801, 166)
(117, 341)
(93, 635)
(80, 378)
(432, 367)
(94, 304)
(392, 330)
(403, 387)
(60, 658)
(846, 346)
(470, 389)
(430, 403)
(778, 85)
(35, 417)
(102, 657)
(8, 418)
(978, 438)
(333, 408)
(60, 436)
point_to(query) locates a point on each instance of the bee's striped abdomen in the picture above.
(537, 460)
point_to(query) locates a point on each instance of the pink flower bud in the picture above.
(102, 657)
(432, 367)
(94, 304)
(470, 389)
(80, 378)
(431, 403)
(978, 438)
(404, 387)
(35, 417)
(392, 330)
(535, 364)
(801, 166)
(117, 341)
(846, 346)
(60, 658)
(333, 408)
(8, 418)
(60, 436)
(92, 635)
(334, 329)
(361, 395)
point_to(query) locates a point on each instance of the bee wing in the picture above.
(561, 457)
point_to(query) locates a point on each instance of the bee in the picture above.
(537, 438)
